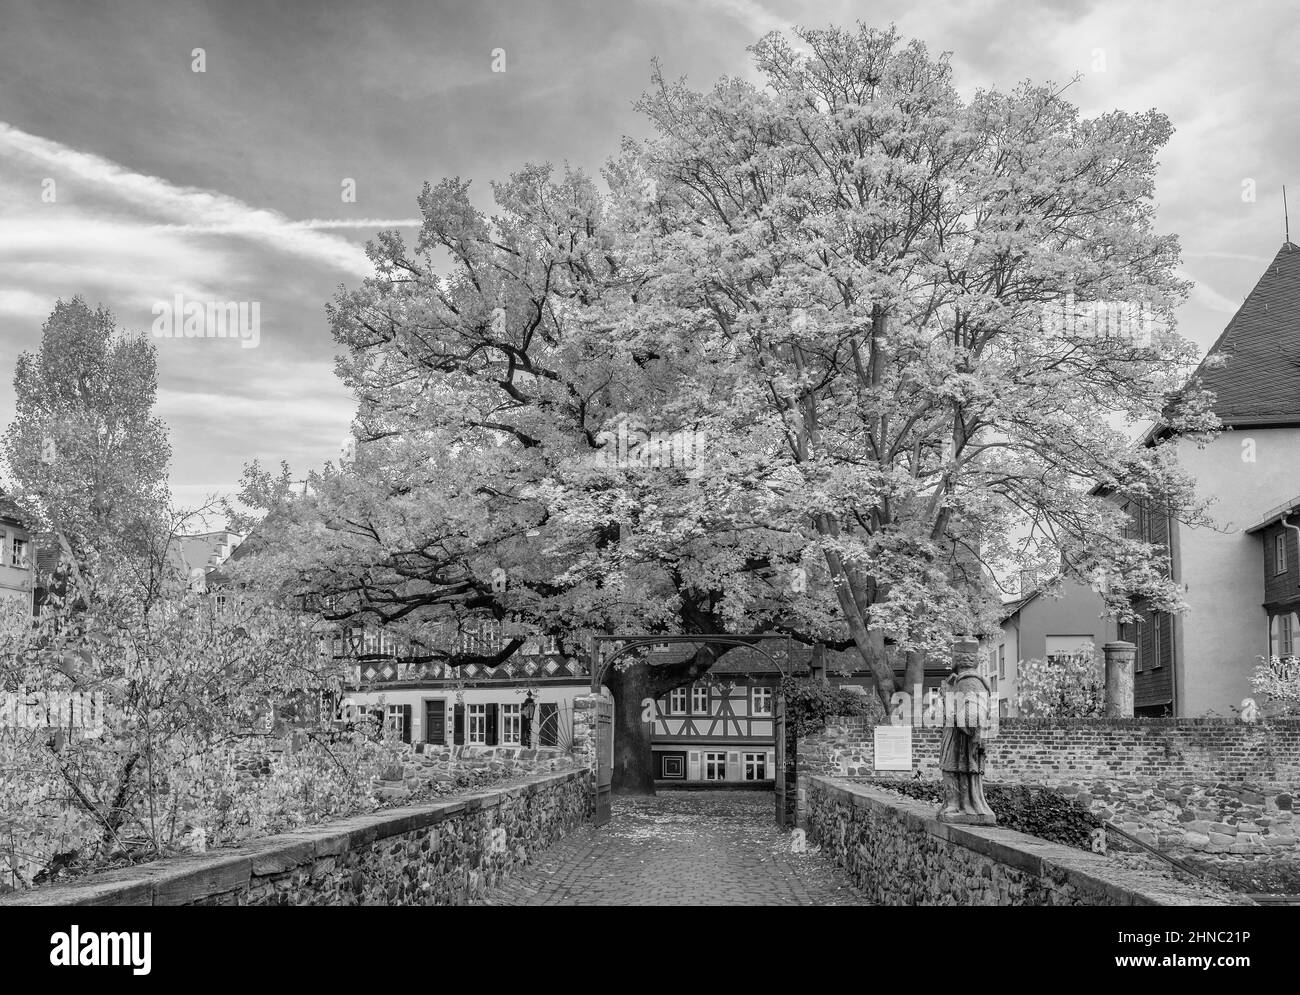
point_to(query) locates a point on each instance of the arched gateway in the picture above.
(606, 649)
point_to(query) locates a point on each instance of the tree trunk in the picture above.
(633, 761)
(914, 676)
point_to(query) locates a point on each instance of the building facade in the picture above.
(1040, 626)
(17, 567)
(1200, 661)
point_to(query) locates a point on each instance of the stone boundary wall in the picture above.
(440, 853)
(1218, 792)
(899, 854)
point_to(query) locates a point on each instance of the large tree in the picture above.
(834, 287)
(487, 477)
(85, 456)
(884, 267)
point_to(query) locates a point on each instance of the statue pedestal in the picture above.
(967, 819)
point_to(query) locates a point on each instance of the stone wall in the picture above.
(440, 853)
(1217, 792)
(899, 854)
(584, 729)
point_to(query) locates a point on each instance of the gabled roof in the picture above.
(9, 511)
(1260, 382)
(1012, 608)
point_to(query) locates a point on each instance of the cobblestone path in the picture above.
(681, 848)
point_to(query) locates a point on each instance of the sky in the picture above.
(127, 177)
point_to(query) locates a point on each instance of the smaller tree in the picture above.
(1062, 686)
(1277, 680)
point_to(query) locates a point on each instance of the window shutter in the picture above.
(1147, 647)
(1160, 530)
(1166, 639)
(492, 710)
(406, 723)
(458, 726)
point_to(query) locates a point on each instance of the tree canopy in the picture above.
(823, 312)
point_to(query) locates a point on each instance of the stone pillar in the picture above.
(1119, 679)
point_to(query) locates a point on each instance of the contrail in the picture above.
(195, 210)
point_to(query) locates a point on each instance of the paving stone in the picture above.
(681, 848)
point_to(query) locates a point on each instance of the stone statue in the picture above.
(961, 748)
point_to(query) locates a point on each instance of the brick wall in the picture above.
(1044, 751)
(441, 853)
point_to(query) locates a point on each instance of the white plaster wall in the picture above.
(1225, 628)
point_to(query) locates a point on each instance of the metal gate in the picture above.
(778, 775)
(604, 758)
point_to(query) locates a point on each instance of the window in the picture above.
(1062, 648)
(762, 701)
(511, 725)
(700, 700)
(993, 684)
(1285, 641)
(1002, 708)
(1279, 553)
(396, 721)
(476, 732)
(755, 766)
(221, 605)
(1002, 661)
(715, 766)
(20, 553)
(677, 701)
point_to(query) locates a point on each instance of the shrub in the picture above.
(1037, 811)
(808, 704)
(1061, 687)
(1277, 680)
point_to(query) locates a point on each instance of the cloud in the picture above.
(753, 16)
(25, 304)
(190, 208)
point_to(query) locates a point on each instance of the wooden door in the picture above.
(604, 759)
(435, 721)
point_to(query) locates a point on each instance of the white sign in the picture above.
(893, 747)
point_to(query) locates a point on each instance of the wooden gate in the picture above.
(778, 775)
(604, 758)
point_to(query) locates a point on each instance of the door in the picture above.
(435, 721)
(778, 774)
(604, 758)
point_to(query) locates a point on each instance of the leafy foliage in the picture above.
(1037, 811)
(837, 280)
(1278, 681)
(86, 458)
(809, 704)
(1062, 687)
